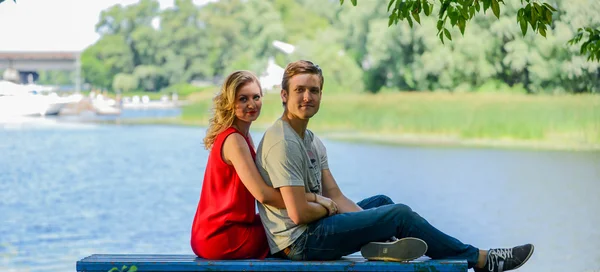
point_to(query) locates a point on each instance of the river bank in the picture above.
(423, 140)
(569, 122)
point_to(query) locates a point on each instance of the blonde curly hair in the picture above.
(224, 103)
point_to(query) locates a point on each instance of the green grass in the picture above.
(561, 120)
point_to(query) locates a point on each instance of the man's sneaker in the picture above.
(504, 259)
(403, 250)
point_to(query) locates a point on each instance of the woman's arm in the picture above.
(237, 153)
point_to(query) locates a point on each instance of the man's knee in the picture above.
(384, 200)
(401, 210)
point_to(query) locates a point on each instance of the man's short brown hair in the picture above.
(300, 67)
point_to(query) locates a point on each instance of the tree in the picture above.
(341, 72)
(124, 82)
(108, 57)
(240, 34)
(458, 12)
(151, 78)
(182, 49)
(134, 23)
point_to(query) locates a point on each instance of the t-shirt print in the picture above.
(314, 182)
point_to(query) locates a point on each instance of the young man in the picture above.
(293, 159)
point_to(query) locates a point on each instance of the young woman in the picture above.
(226, 225)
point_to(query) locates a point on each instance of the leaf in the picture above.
(440, 24)
(486, 5)
(400, 16)
(453, 16)
(538, 8)
(461, 25)
(410, 22)
(548, 14)
(523, 24)
(583, 48)
(576, 38)
(496, 8)
(442, 37)
(447, 33)
(465, 13)
(589, 30)
(417, 17)
(426, 8)
(133, 268)
(533, 16)
(549, 6)
(542, 30)
(389, 5)
(444, 7)
(392, 19)
(353, 2)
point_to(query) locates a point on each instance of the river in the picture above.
(68, 190)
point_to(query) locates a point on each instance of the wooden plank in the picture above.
(181, 263)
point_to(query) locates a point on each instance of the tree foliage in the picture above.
(457, 13)
(544, 50)
(592, 46)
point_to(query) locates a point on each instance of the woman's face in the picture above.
(248, 102)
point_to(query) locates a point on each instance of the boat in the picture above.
(22, 100)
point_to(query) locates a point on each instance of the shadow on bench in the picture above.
(144, 262)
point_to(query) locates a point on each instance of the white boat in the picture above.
(18, 100)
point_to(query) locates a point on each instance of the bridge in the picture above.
(23, 66)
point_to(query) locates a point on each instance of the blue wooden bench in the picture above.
(104, 263)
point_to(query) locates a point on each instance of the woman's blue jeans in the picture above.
(335, 236)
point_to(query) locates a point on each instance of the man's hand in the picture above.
(328, 204)
(332, 190)
(299, 210)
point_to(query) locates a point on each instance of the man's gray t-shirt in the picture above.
(285, 159)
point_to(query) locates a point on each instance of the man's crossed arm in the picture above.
(333, 191)
(300, 210)
(303, 212)
(284, 165)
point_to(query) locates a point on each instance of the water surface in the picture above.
(70, 190)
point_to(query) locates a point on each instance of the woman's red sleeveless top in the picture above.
(226, 225)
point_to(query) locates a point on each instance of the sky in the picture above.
(54, 25)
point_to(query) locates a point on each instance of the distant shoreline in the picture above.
(408, 139)
(448, 141)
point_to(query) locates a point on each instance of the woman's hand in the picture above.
(328, 204)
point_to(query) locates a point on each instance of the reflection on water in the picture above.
(70, 191)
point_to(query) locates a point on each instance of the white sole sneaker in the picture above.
(403, 250)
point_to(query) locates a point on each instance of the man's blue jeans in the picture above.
(332, 237)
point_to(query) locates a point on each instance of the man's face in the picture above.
(304, 95)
